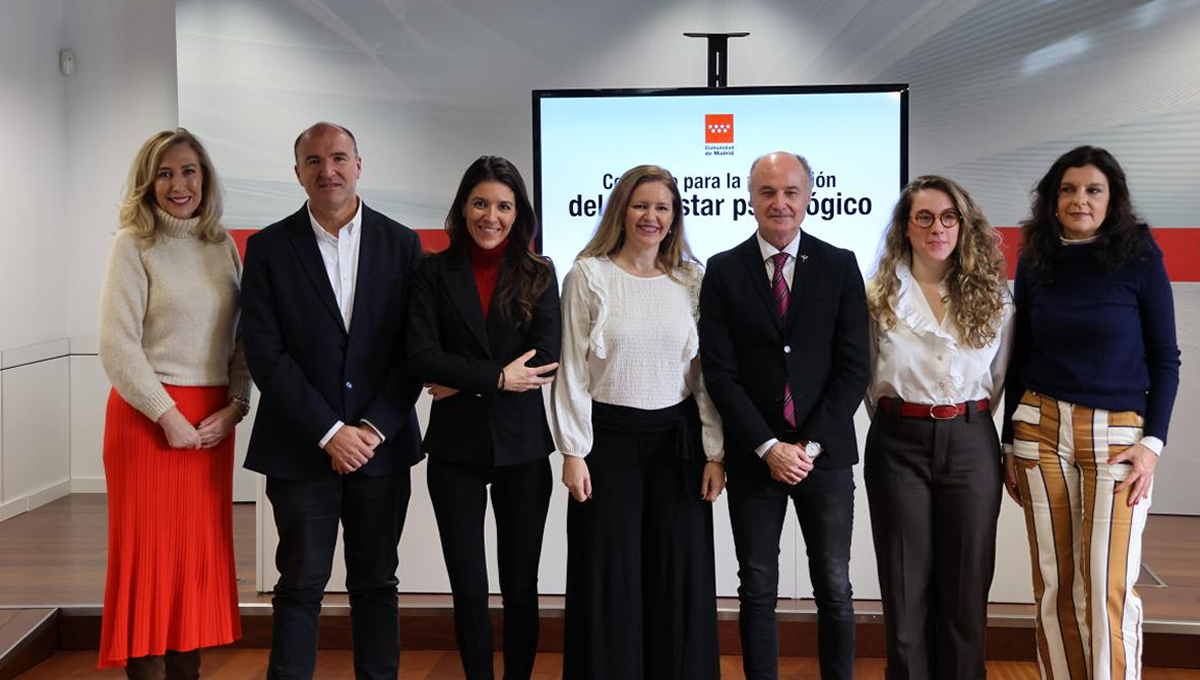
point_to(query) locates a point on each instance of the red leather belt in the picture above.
(932, 411)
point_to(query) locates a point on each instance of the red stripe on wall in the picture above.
(432, 240)
(1180, 246)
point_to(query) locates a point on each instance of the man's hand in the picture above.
(788, 463)
(370, 436)
(179, 432)
(351, 448)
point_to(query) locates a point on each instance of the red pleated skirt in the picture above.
(172, 581)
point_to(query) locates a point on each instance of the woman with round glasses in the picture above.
(1095, 355)
(940, 319)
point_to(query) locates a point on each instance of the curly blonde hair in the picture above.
(977, 280)
(673, 251)
(137, 210)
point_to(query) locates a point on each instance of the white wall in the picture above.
(34, 458)
(34, 426)
(123, 90)
(32, 227)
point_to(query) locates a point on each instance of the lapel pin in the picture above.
(804, 258)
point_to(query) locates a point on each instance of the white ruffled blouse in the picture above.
(922, 361)
(628, 341)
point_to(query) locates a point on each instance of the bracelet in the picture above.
(241, 403)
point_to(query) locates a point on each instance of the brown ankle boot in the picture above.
(145, 668)
(183, 665)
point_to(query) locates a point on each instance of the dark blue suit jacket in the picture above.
(747, 351)
(311, 372)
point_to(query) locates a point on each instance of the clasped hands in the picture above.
(788, 463)
(351, 447)
(208, 433)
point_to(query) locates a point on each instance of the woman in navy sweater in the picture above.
(1091, 384)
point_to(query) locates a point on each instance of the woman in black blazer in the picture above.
(484, 336)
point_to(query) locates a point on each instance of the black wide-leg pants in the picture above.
(934, 492)
(520, 500)
(641, 584)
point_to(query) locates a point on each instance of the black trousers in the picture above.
(824, 504)
(934, 490)
(520, 500)
(371, 511)
(641, 584)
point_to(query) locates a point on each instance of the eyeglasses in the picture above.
(949, 219)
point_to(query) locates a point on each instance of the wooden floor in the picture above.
(69, 570)
(247, 664)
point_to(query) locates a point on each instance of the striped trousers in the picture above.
(1085, 542)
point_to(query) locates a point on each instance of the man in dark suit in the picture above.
(324, 310)
(783, 341)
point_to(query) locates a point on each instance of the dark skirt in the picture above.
(641, 584)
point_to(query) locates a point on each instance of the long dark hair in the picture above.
(1122, 236)
(524, 275)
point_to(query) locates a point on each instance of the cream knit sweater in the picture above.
(169, 314)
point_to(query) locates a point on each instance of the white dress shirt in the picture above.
(922, 361)
(340, 255)
(768, 251)
(789, 270)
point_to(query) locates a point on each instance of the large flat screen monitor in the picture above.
(855, 137)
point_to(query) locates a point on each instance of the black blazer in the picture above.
(450, 343)
(311, 372)
(820, 349)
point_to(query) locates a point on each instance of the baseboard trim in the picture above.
(35, 499)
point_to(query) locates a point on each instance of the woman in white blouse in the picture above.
(940, 319)
(642, 446)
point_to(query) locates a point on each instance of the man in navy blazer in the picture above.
(783, 342)
(324, 314)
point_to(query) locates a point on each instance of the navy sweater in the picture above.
(1096, 338)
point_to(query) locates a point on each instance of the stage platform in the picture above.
(52, 564)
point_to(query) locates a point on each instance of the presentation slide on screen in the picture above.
(852, 139)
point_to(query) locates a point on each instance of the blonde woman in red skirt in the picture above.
(169, 344)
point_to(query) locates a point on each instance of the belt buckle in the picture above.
(943, 411)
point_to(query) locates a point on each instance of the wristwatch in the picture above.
(811, 449)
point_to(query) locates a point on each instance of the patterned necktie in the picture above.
(779, 289)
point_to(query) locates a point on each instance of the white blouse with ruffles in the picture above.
(628, 341)
(922, 361)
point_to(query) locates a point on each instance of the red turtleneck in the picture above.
(485, 266)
